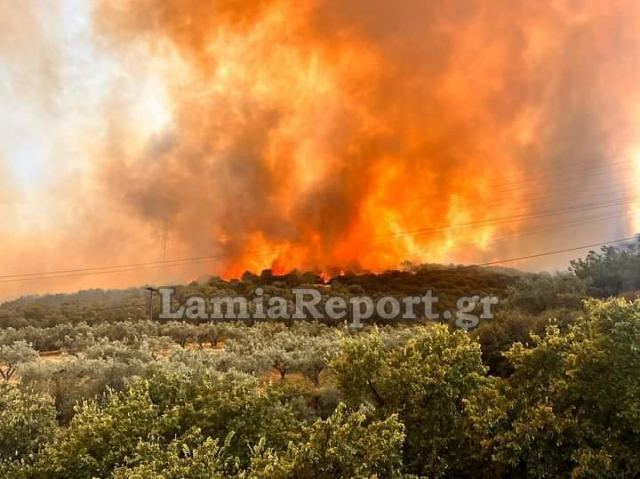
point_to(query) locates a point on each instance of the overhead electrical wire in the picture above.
(130, 267)
(572, 209)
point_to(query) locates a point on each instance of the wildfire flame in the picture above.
(323, 147)
(316, 134)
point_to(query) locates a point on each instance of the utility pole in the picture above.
(151, 291)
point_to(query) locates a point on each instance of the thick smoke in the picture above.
(310, 127)
(357, 134)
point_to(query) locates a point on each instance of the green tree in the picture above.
(99, 439)
(535, 293)
(27, 423)
(180, 332)
(11, 357)
(220, 404)
(574, 398)
(611, 271)
(511, 326)
(316, 354)
(190, 457)
(346, 445)
(431, 382)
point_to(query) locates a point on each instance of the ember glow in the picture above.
(311, 134)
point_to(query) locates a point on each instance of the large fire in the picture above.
(332, 134)
(312, 142)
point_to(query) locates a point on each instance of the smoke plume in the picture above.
(332, 134)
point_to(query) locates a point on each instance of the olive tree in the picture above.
(432, 382)
(11, 357)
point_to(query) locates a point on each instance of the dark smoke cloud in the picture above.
(454, 91)
(318, 133)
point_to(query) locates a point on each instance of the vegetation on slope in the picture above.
(549, 388)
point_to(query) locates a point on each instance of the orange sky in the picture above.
(311, 134)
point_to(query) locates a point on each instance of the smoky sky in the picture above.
(319, 134)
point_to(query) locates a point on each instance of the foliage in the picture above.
(190, 457)
(573, 398)
(27, 423)
(11, 357)
(535, 293)
(549, 388)
(612, 270)
(429, 382)
(346, 445)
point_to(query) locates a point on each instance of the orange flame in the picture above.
(324, 148)
(331, 134)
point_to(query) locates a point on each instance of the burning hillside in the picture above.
(321, 134)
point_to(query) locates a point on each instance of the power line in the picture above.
(509, 260)
(556, 226)
(554, 174)
(125, 268)
(514, 218)
(194, 260)
(181, 261)
(558, 184)
(550, 253)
